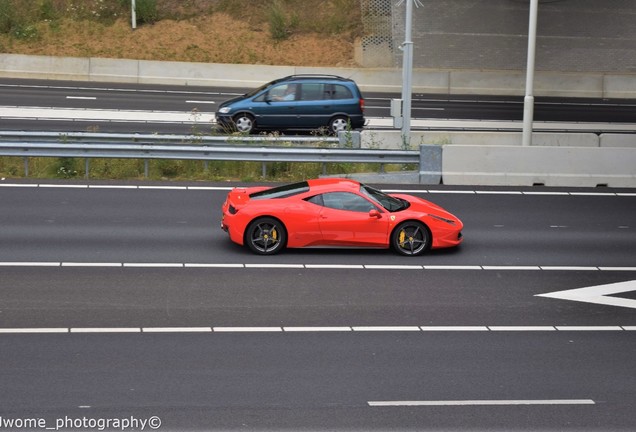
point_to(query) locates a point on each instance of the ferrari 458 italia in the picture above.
(334, 212)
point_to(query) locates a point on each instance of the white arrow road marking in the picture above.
(598, 294)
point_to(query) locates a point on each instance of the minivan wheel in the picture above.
(337, 124)
(244, 123)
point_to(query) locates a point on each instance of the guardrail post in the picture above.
(349, 139)
(86, 167)
(146, 168)
(26, 166)
(430, 164)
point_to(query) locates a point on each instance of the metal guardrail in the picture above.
(103, 138)
(89, 149)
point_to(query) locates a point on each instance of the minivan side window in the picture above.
(312, 91)
(337, 91)
(282, 92)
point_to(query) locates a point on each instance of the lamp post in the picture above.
(528, 100)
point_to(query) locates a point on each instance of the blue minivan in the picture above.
(302, 102)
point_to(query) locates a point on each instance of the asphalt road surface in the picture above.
(128, 303)
(107, 107)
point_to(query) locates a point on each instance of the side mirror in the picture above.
(375, 214)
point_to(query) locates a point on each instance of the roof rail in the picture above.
(309, 75)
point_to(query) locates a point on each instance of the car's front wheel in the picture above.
(411, 238)
(244, 123)
(266, 236)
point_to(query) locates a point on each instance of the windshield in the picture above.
(386, 201)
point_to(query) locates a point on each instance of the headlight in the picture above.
(439, 218)
(224, 110)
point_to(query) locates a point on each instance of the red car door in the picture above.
(345, 220)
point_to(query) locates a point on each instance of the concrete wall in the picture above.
(549, 166)
(381, 79)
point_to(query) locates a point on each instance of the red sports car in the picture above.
(335, 213)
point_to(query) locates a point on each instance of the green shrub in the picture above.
(146, 11)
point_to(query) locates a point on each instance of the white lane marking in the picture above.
(105, 330)
(201, 102)
(453, 328)
(598, 294)
(228, 188)
(310, 266)
(176, 329)
(32, 330)
(317, 329)
(482, 402)
(313, 329)
(247, 329)
(82, 97)
(385, 328)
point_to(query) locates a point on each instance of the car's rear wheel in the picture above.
(411, 238)
(337, 124)
(244, 123)
(266, 236)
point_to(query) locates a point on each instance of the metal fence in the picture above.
(148, 147)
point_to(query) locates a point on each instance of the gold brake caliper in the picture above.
(402, 238)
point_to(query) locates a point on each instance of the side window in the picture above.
(282, 92)
(316, 199)
(312, 91)
(341, 92)
(346, 201)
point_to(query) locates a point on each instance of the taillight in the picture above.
(361, 104)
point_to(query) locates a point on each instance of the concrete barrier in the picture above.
(550, 166)
(618, 140)
(392, 139)
(376, 79)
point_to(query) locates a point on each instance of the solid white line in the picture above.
(334, 266)
(310, 329)
(411, 191)
(276, 266)
(33, 330)
(451, 267)
(317, 329)
(569, 268)
(246, 329)
(482, 402)
(522, 328)
(392, 267)
(516, 268)
(308, 266)
(453, 328)
(617, 268)
(112, 187)
(106, 330)
(176, 329)
(385, 328)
